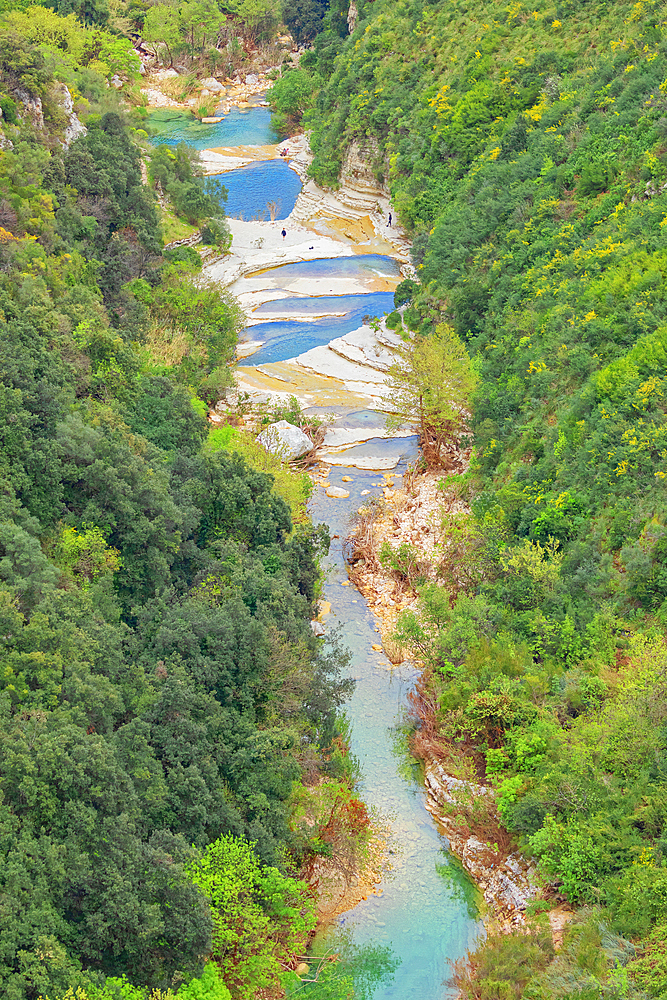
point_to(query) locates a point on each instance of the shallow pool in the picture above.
(361, 265)
(241, 127)
(285, 339)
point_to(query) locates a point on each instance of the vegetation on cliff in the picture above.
(164, 702)
(525, 151)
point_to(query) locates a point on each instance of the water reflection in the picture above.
(262, 190)
(289, 338)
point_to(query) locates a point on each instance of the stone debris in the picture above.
(508, 884)
(285, 440)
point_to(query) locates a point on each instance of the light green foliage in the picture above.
(257, 913)
(290, 97)
(650, 970)
(84, 555)
(431, 385)
(352, 972)
(540, 563)
(209, 986)
(196, 328)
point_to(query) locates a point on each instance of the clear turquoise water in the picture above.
(247, 127)
(250, 189)
(371, 265)
(427, 911)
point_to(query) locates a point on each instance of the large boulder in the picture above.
(285, 440)
(210, 83)
(166, 74)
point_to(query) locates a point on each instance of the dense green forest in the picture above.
(163, 698)
(525, 149)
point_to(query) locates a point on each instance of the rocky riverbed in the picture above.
(348, 373)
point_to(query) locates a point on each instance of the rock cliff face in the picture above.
(357, 180)
(32, 108)
(360, 193)
(508, 883)
(74, 127)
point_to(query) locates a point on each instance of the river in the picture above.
(425, 910)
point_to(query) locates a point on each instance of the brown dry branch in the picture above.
(362, 542)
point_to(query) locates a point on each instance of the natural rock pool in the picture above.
(426, 909)
(263, 190)
(242, 126)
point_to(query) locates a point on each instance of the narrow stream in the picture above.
(426, 909)
(426, 912)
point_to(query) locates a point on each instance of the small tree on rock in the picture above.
(431, 384)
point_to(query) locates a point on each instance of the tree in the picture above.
(290, 97)
(161, 27)
(258, 914)
(304, 18)
(431, 386)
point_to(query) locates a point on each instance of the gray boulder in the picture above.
(251, 79)
(285, 440)
(210, 83)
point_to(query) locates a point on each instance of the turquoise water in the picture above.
(427, 910)
(286, 338)
(251, 127)
(251, 189)
(371, 265)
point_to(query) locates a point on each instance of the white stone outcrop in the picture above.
(74, 127)
(210, 83)
(285, 440)
(165, 74)
(508, 883)
(33, 107)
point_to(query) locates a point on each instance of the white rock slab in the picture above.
(325, 362)
(337, 492)
(370, 463)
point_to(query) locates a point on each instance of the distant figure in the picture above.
(284, 233)
(389, 223)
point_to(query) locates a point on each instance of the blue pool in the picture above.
(286, 339)
(259, 190)
(372, 265)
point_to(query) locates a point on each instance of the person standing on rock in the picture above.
(284, 233)
(389, 223)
